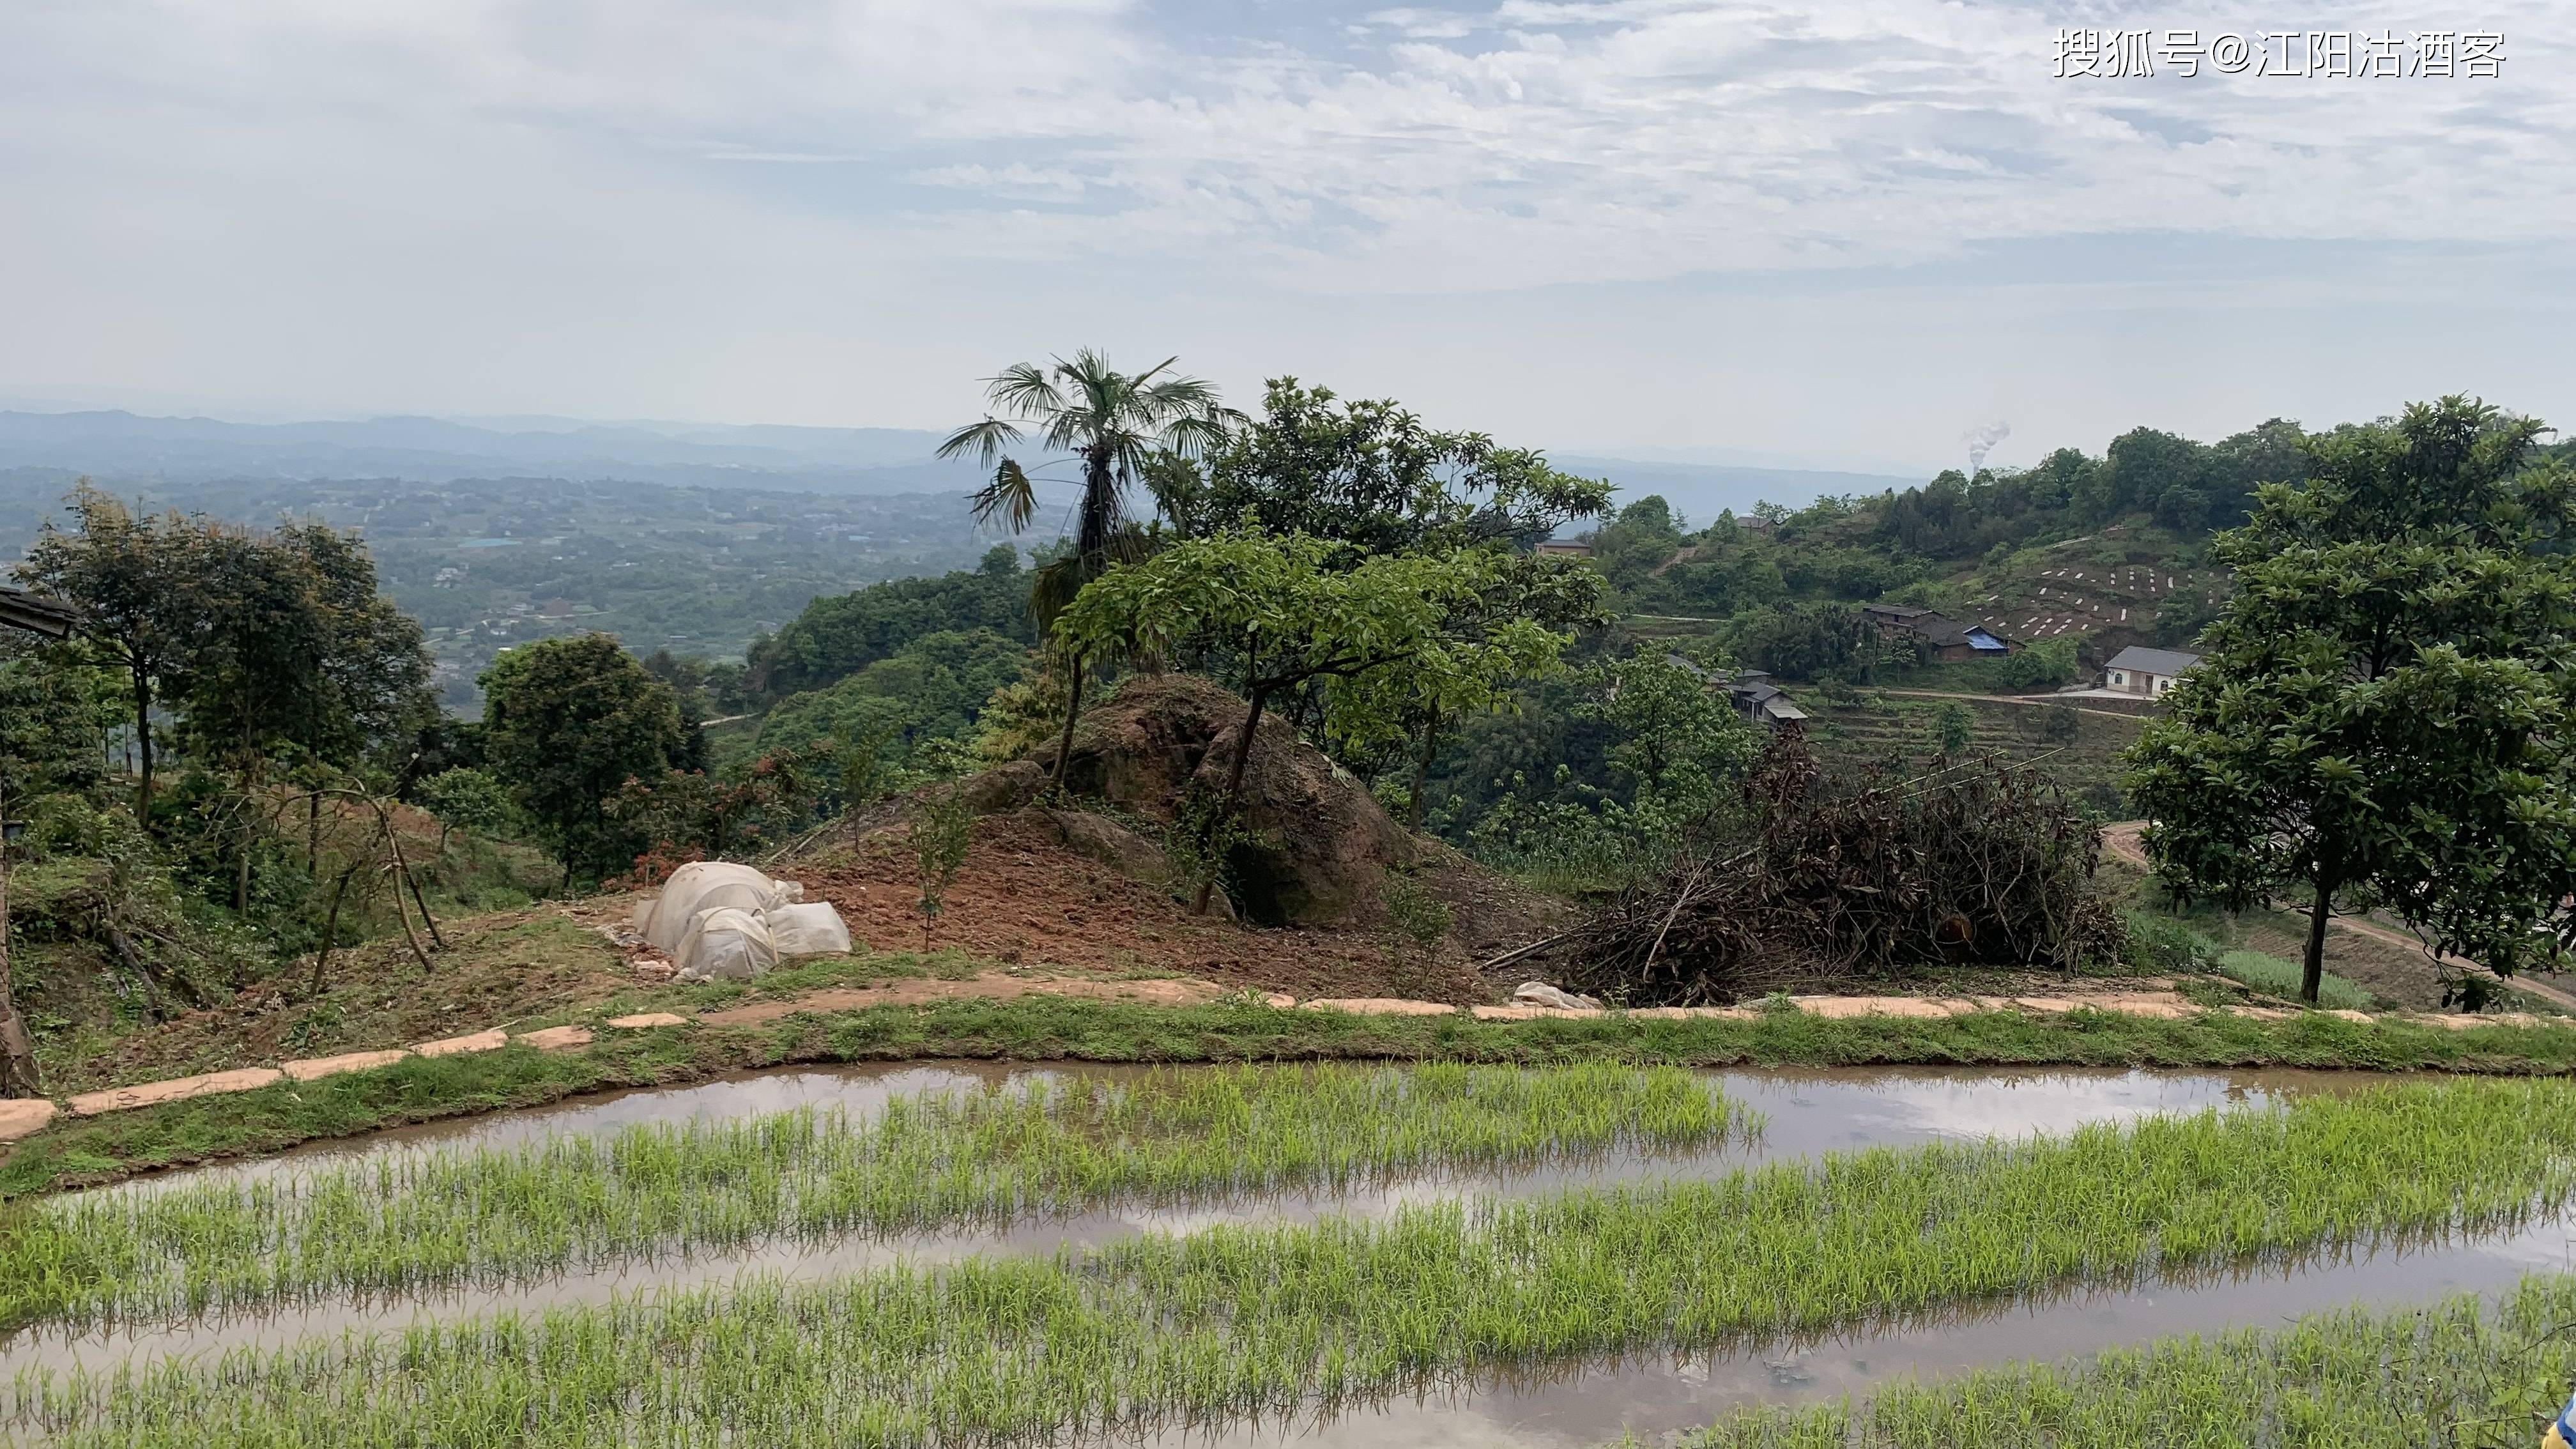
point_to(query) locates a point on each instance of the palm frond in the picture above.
(1052, 588)
(1203, 433)
(1023, 388)
(1010, 495)
(1072, 430)
(1180, 396)
(986, 439)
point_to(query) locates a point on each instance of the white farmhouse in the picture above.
(2146, 672)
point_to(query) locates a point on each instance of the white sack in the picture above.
(684, 895)
(786, 892)
(808, 930)
(725, 944)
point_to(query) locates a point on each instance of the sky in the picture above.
(1845, 235)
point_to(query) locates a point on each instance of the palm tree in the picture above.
(1113, 424)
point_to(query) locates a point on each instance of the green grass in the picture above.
(2275, 977)
(930, 1160)
(2458, 1373)
(1236, 1321)
(90, 1151)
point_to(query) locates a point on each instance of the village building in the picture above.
(2145, 672)
(1757, 699)
(1948, 640)
(1566, 548)
(36, 614)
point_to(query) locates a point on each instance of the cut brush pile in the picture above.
(1980, 862)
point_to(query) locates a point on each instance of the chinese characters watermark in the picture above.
(2329, 54)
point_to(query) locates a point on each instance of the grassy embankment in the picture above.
(1236, 1321)
(932, 1159)
(99, 1149)
(2459, 1373)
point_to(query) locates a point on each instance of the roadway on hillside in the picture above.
(2123, 839)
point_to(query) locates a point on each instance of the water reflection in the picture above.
(1808, 1113)
(1575, 1406)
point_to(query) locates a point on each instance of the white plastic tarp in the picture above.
(689, 891)
(726, 944)
(808, 930)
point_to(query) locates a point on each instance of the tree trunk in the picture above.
(402, 877)
(1422, 769)
(153, 1010)
(313, 832)
(1233, 788)
(1099, 494)
(436, 941)
(2312, 975)
(1072, 712)
(18, 1074)
(143, 744)
(331, 926)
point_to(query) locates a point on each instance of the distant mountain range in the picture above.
(128, 448)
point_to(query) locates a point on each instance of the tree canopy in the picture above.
(838, 636)
(2384, 710)
(930, 690)
(1275, 613)
(1372, 475)
(567, 722)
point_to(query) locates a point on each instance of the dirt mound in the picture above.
(1027, 897)
(1321, 846)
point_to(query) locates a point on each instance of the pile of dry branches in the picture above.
(1981, 861)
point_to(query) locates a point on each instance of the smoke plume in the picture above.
(1981, 441)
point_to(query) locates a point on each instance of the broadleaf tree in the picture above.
(138, 584)
(567, 722)
(2383, 713)
(1510, 627)
(1277, 613)
(1371, 476)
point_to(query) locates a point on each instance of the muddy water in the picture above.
(1596, 1404)
(1806, 1113)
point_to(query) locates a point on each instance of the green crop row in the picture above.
(405, 1219)
(1213, 1326)
(90, 1150)
(2460, 1374)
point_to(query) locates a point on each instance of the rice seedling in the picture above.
(1047, 1146)
(2459, 1373)
(90, 1150)
(1213, 1326)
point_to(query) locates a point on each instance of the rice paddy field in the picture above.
(1335, 1255)
(2460, 1372)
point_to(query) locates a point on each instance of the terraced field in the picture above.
(1069, 1257)
(1887, 725)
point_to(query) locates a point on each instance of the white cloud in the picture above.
(657, 185)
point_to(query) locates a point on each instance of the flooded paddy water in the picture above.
(1805, 1114)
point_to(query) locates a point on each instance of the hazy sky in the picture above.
(1841, 235)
